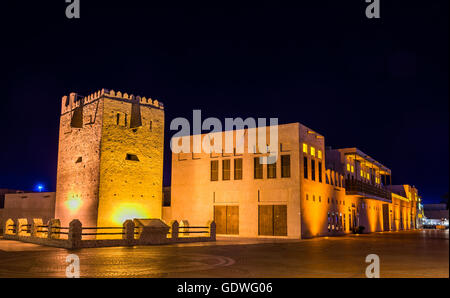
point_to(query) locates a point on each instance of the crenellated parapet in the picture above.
(75, 100)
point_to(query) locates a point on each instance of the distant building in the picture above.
(436, 214)
(30, 205)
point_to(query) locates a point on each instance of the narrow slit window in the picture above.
(132, 157)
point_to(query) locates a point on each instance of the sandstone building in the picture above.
(310, 190)
(110, 158)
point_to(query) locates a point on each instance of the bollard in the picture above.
(212, 230)
(128, 228)
(75, 230)
(174, 227)
(22, 227)
(10, 227)
(53, 226)
(184, 224)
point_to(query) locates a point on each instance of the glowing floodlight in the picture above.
(73, 203)
(129, 211)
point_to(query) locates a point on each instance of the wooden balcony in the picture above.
(356, 187)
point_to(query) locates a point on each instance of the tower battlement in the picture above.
(74, 100)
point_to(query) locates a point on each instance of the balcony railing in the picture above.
(356, 187)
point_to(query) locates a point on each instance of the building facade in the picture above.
(110, 166)
(309, 191)
(29, 205)
(110, 158)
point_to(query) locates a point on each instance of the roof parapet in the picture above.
(75, 100)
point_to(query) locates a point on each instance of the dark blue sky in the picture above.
(380, 85)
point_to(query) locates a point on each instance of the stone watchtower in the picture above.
(110, 159)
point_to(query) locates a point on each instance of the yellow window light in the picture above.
(319, 154)
(313, 151)
(305, 148)
(353, 169)
(348, 167)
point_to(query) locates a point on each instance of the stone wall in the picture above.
(73, 237)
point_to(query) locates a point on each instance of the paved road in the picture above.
(402, 254)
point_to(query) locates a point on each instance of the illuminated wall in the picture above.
(110, 159)
(194, 195)
(78, 160)
(309, 201)
(130, 188)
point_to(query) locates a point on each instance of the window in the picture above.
(353, 169)
(314, 198)
(362, 173)
(320, 199)
(307, 197)
(348, 167)
(132, 157)
(258, 168)
(319, 154)
(238, 169)
(151, 125)
(305, 167)
(305, 148)
(214, 170)
(285, 166)
(272, 170)
(313, 170)
(320, 171)
(226, 169)
(117, 119)
(313, 151)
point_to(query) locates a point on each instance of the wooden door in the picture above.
(220, 218)
(280, 220)
(233, 220)
(265, 215)
(386, 224)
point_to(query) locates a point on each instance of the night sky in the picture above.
(379, 85)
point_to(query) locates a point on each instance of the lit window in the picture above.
(348, 167)
(353, 169)
(368, 176)
(305, 148)
(313, 151)
(362, 173)
(319, 154)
